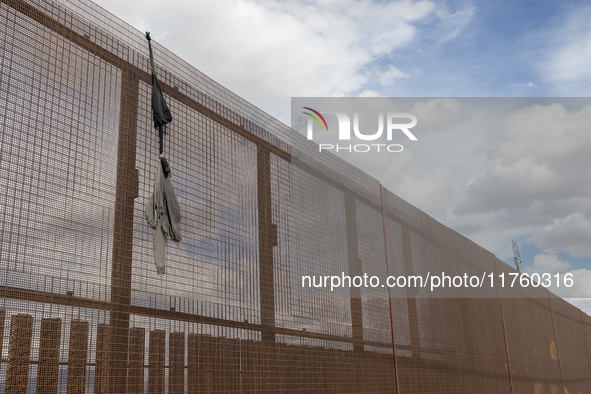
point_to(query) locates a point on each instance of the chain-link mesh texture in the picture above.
(82, 309)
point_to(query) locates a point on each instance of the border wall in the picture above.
(82, 309)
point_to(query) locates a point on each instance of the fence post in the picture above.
(125, 193)
(156, 362)
(21, 330)
(267, 240)
(586, 342)
(137, 344)
(505, 332)
(102, 370)
(384, 223)
(411, 301)
(193, 363)
(77, 356)
(176, 374)
(2, 319)
(556, 342)
(354, 264)
(49, 347)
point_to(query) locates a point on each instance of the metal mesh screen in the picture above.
(82, 308)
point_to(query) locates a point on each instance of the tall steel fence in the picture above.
(82, 308)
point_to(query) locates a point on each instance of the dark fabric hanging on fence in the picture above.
(162, 211)
(160, 111)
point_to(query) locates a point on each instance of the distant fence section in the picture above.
(82, 309)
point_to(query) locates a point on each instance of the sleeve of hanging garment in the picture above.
(150, 212)
(174, 210)
(154, 206)
(159, 249)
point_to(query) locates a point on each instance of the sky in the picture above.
(524, 181)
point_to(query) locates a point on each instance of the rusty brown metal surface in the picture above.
(2, 325)
(177, 363)
(79, 287)
(266, 235)
(49, 348)
(137, 344)
(571, 349)
(390, 301)
(157, 357)
(77, 356)
(126, 192)
(102, 369)
(21, 331)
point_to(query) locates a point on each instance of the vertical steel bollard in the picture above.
(156, 362)
(193, 363)
(21, 330)
(49, 348)
(176, 382)
(137, 344)
(102, 374)
(77, 357)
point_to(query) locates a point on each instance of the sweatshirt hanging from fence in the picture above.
(162, 211)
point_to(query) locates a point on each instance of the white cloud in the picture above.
(539, 177)
(369, 93)
(509, 186)
(439, 113)
(580, 286)
(268, 50)
(523, 85)
(388, 77)
(550, 133)
(570, 60)
(425, 188)
(549, 263)
(558, 276)
(454, 22)
(564, 62)
(571, 233)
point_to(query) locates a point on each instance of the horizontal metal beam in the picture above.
(79, 302)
